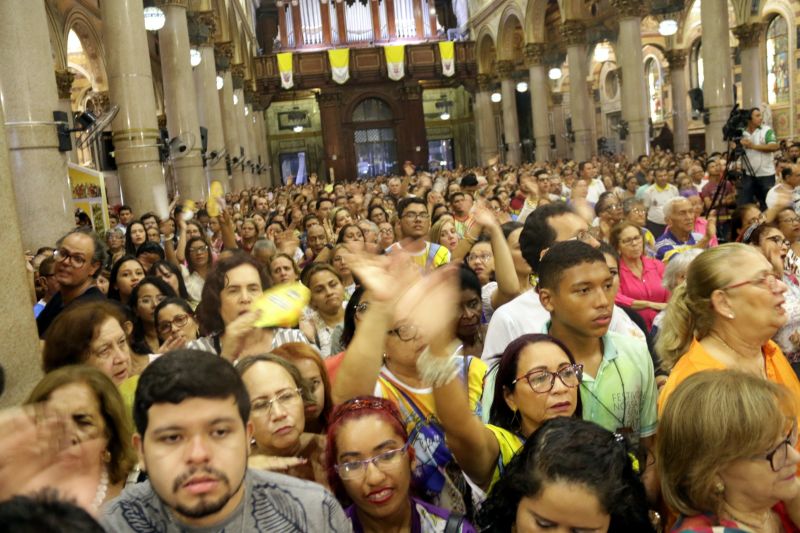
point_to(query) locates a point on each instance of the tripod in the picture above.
(735, 153)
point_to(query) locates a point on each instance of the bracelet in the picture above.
(437, 371)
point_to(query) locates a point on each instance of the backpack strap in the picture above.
(453, 524)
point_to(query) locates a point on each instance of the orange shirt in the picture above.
(698, 359)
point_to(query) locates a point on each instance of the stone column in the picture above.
(135, 129)
(179, 99)
(508, 87)
(634, 88)
(28, 96)
(718, 71)
(250, 125)
(21, 352)
(559, 126)
(574, 35)
(749, 36)
(540, 91)
(205, 84)
(223, 53)
(484, 120)
(244, 140)
(680, 101)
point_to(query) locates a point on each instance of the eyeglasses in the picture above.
(638, 211)
(63, 255)
(198, 249)
(612, 207)
(778, 457)
(483, 258)
(780, 241)
(152, 300)
(284, 399)
(542, 381)
(767, 281)
(404, 333)
(387, 231)
(416, 216)
(793, 220)
(165, 327)
(631, 240)
(384, 462)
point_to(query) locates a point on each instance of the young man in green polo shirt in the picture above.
(618, 391)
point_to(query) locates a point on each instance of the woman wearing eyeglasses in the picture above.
(370, 467)
(278, 396)
(143, 301)
(726, 454)
(537, 379)
(723, 317)
(175, 323)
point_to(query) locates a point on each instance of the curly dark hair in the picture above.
(574, 451)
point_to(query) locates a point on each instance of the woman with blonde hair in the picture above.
(724, 318)
(726, 453)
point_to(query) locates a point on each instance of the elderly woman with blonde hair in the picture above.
(726, 454)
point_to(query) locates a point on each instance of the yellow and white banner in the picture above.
(285, 68)
(340, 64)
(447, 49)
(395, 61)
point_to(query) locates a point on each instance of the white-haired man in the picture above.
(679, 215)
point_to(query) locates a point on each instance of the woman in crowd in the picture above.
(261, 224)
(370, 467)
(172, 276)
(609, 213)
(471, 330)
(339, 264)
(135, 236)
(91, 334)
(278, 394)
(351, 234)
(339, 218)
(92, 408)
(742, 218)
(724, 318)
(115, 240)
(512, 231)
(386, 235)
(198, 263)
(225, 312)
(312, 369)
(248, 235)
(443, 232)
(571, 475)
(640, 277)
(153, 235)
(769, 240)
(726, 453)
(175, 323)
(145, 297)
(789, 224)
(326, 310)
(537, 379)
(125, 275)
(378, 215)
(283, 269)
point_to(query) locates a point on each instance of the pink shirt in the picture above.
(648, 287)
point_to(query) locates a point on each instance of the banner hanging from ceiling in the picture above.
(340, 64)
(285, 68)
(395, 61)
(447, 49)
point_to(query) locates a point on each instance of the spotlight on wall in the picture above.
(554, 73)
(246, 110)
(601, 53)
(195, 57)
(445, 116)
(668, 27)
(220, 82)
(297, 129)
(496, 97)
(154, 18)
(522, 86)
(235, 99)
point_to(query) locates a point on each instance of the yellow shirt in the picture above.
(509, 444)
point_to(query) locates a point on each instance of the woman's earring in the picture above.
(106, 456)
(719, 487)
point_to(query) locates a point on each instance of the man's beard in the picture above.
(205, 508)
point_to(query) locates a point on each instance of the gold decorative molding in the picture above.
(176, 3)
(749, 35)
(210, 20)
(100, 101)
(630, 8)
(64, 79)
(573, 32)
(558, 98)
(224, 49)
(238, 70)
(505, 69)
(202, 27)
(485, 82)
(676, 58)
(534, 54)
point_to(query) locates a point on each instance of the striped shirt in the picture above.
(668, 245)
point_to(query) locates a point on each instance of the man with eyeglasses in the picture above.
(79, 258)
(415, 223)
(193, 438)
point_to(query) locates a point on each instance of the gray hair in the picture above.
(264, 244)
(99, 255)
(670, 205)
(677, 266)
(370, 224)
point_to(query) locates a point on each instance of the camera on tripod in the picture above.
(737, 122)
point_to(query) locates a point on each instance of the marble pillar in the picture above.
(634, 88)
(224, 53)
(581, 108)
(717, 70)
(749, 36)
(680, 100)
(244, 139)
(208, 108)
(540, 90)
(250, 125)
(135, 129)
(559, 126)
(28, 96)
(64, 79)
(508, 88)
(180, 101)
(21, 352)
(484, 121)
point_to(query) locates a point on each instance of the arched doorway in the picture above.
(374, 139)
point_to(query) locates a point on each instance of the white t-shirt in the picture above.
(655, 198)
(596, 188)
(772, 197)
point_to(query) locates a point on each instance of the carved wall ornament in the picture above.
(534, 54)
(630, 8)
(505, 69)
(573, 32)
(676, 58)
(749, 35)
(64, 79)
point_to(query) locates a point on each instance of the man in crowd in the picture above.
(789, 187)
(125, 217)
(698, 177)
(415, 223)
(150, 220)
(655, 197)
(760, 145)
(46, 284)
(79, 257)
(324, 207)
(193, 439)
(461, 203)
(680, 235)
(588, 172)
(724, 202)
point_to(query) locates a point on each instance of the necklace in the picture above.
(762, 372)
(102, 490)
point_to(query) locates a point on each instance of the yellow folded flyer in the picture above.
(217, 194)
(281, 306)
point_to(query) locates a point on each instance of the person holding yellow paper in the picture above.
(226, 312)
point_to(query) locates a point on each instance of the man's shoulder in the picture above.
(137, 508)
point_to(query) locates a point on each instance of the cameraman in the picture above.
(760, 143)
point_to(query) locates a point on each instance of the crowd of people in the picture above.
(595, 346)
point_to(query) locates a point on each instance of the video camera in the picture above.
(737, 122)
